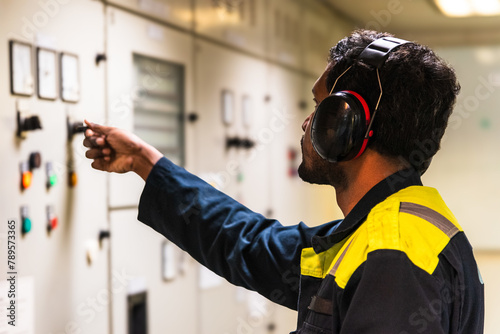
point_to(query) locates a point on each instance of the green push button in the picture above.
(26, 225)
(25, 220)
(52, 180)
(51, 175)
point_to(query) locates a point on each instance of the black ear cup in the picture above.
(339, 126)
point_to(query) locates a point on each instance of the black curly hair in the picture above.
(419, 88)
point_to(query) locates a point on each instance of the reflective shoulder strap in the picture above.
(341, 257)
(433, 217)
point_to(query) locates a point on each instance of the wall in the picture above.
(465, 170)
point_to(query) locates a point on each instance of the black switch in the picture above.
(30, 123)
(74, 128)
(232, 142)
(247, 143)
(103, 234)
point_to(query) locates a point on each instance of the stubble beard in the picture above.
(322, 172)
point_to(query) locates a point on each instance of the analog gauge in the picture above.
(21, 69)
(47, 80)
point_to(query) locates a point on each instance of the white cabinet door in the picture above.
(142, 92)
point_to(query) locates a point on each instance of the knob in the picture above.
(35, 160)
(192, 117)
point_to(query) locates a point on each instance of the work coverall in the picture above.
(398, 263)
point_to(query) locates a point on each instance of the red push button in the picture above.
(53, 223)
(52, 220)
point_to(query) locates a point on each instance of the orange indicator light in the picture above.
(26, 179)
(73, 179)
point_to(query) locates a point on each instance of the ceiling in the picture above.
(418, 20)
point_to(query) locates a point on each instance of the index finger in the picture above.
(97, 128)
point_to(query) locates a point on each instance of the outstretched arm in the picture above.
(116, 150)
(238, 244)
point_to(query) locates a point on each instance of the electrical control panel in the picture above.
(53, 218)
(199, 81)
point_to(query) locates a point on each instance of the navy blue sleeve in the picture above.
(236, 243)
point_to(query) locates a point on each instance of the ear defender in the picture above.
(341, 126)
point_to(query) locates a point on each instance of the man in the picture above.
(397, 263)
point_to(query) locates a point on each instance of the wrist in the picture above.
(145, 159)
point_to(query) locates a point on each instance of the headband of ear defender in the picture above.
(341, 126)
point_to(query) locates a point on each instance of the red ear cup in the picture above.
(339, 126)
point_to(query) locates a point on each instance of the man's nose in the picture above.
(306, 122)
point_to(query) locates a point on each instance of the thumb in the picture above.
(98, 128)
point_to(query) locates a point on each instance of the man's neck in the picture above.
(363, 175)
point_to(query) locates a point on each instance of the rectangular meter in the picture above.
(21, 69)
(227, 107)
(47, 76)
(70, 78)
